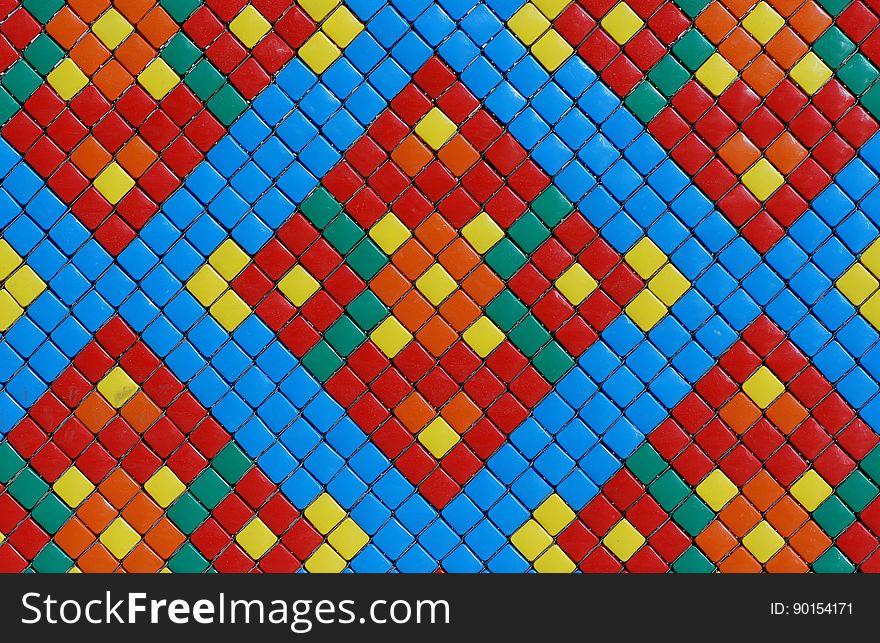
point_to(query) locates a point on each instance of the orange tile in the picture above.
(389, 285)
(96, 513)
(786, 562)
(786, 48)
(141, 513)
(762, 490)
(157, 27)
(94, 412)
(763, 75)
(461, 413)
(97, 560)
(739, 48)
(785, 7)
(740, 516)
(134, 10)
(118, 488)
(786, 413)
(411, 155)
(164, 538)
(112, 80)
(739, 153)
(66, 27)
(436, 336)
(810, 21)
(810, 542)
(740, 562)
(412, 259)
(90, 157)
(459, 310)
(715, 22)
(142, 560)
(786, 516)
(716, 541)
(414, 412)
(740, 413)
(482, 285)
(89, 54)
(435, 233)
(135, 54)
(739, 8)
(413, 310)
(136, 157)
(140, 412)
(88, 10)
(459, 259)
(458, 155)
(74, 537)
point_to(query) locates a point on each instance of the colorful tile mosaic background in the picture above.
(417, 286)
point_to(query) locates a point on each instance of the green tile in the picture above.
(692, 561)
(204, 80)
(43, 10)
(343, 233)
(551, 206)
(506, 310)
(322, 361)
(528, 232)
(51, 560)
(367, 310)
(187, 560)
(693, 516)
(856, 491)
(320, 208)
(28, 488)
(8, 106)
(833, 516)
(529, 335)
(857, 74)
(43, 54)
(870, 464)
(871, 100)
(187, 513)
(231, 463)
(669, 490)
(552, 362)
(180, 10)
(692, 8)
(10, 462)
(51, 513)
(833, 47)
(227, 105)
(834, 7)
(645, 464)
(180, 53)
(692, 49)
(505, 258)
(668, 76)
(645, 102)
(209, 488)
(344, 336)
(833, 562)
(21, 81)
(366, 259)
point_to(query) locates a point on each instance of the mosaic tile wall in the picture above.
(460, 286)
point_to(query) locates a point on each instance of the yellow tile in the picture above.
(2, 537)
(622, 23)
(552, 50)
(112, 28)
(250, 26)
(554, 514)
(716, 74)
(435, 128)
(531, 540)
(763, 387)
(73, 487)
(717, 490)
(646, 310)
(763, 541)
(342, 27)
(645, 258)
(325, 560)
(229, 259)
(298, 285)
(871, 310)
(436, 284)
(117, 387)
(811, 490)
(256, 538)
(810, 73)
(9, 310)
(72, 570)
(871, 258)
(25, 285)
(67, 79)
(9, 259)
(390, 336)
(482, 232)
(763, 22)
(319, 52)
(324, 513)
(762, 179)
(348, 539)
(438, 437)
(230, 310)
(554, 561)
(669, 284)
(206, 285)
(389, 233)
(857, 284)
(528, 23)
(164, 487)
(623, 540)
(158, 79)
(576, 284)
(318, 9)
(551, 8)
(483, 336)
(119, 538)
(114, 183)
